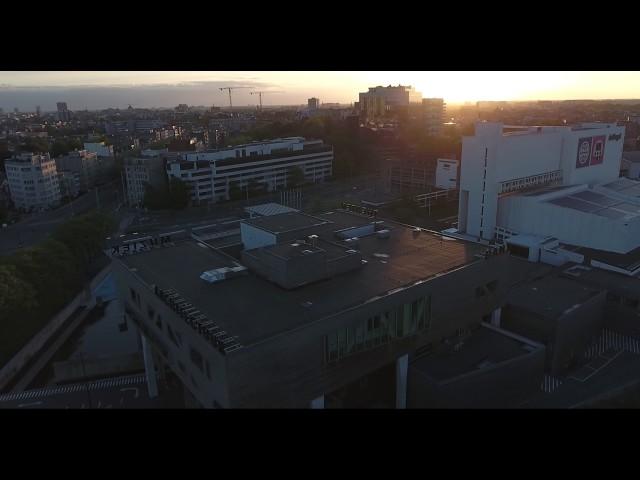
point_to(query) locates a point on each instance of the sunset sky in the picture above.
(166, 89)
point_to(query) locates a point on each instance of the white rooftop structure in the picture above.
(268, 209)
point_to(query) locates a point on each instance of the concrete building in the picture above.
(583, 202)
(83, 165)
(484, 367)
(313, 103)
(64, 115)
(380, 101)
(434, 111)
(559, 312)
(143, 171)
(631, 164)
(33, 181)
(211, 174)
(318, 311)
(69, 183)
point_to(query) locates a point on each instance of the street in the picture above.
(38, 226)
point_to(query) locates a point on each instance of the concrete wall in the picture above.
(566, 337)
(505, 385)
(253, 237)
(206, 387)
(37, 342)
(289, 370)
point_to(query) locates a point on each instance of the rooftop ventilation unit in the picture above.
(383, 233)
(219, 274)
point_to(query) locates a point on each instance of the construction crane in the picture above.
(260, 96)
(229, 89)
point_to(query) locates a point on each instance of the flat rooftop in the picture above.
(254, 309)
(285, 222)
(600, 204)
(551, 296)
(484, 348)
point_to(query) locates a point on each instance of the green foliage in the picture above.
(36, 282)
(296, 177)
(65, 145)
(176, 196)
(235, 193)
(34, 145)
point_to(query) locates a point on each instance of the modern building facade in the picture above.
(313, 103)
(380, 101)
(33, 181)
(212, 174)
(83, 165)
(142, 171)
(434, 111)
(548, 181)
(313, 309)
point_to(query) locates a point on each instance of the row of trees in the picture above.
(174, 196)
(36, 282)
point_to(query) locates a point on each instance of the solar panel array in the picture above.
(599, 204)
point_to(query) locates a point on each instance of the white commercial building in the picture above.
(211, 174)
(559, 183)
(33, 181)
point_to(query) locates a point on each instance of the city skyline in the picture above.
(98, 90)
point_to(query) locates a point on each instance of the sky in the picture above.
(96, 90)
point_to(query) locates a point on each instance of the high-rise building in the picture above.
(434, 110)
(33, 181)
(149, 169)
(380, 101)
(313, 103)
(63, 112)
(38, 110)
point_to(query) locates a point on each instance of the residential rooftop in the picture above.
(406, 258)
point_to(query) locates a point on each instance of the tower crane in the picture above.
(229, 89)
(260, 96)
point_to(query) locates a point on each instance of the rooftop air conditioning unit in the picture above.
(383, 233)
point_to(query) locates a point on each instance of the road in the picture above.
(39, 226)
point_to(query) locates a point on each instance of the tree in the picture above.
(234, 191)
(15, 294)
(296, 177)
(179, 193)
